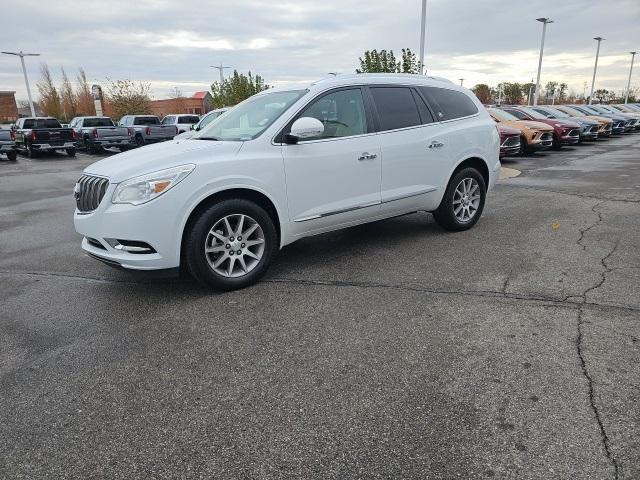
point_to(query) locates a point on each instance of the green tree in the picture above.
(50, 102)
(383, 61)
(601, 94)
(562, 92)
(236, 88)
(550, 89)
(512, 93)
(483, 92)
(125, 97)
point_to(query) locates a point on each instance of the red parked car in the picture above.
(564, 132)
(509, 140)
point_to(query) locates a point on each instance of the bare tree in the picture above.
(84, 100)
(68, 98)
(50, 103)
(125, 97)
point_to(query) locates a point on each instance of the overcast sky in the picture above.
(171, 43)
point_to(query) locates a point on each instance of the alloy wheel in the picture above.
(235, 245)
(466, 199)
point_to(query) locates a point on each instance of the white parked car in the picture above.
(204, 121)
(286, 164)
(182, 122)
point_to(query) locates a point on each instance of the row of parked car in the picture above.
(525, 129)
(34, 135)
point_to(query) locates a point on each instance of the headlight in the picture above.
(139, 190)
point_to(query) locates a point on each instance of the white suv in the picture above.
(286, 164)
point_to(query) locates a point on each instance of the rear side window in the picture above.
(396, 107)
(188, 119)
(449, 104)
(146, 121)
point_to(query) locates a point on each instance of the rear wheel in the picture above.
(31, 152)
(463, 201)
(139, 141)
(231, 244)
(71, 152)
(12, 156)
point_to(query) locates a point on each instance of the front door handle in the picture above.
(367, 156)
(436, 144)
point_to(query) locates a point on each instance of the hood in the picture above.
(160, 156)
(507, 130)
(535, 125)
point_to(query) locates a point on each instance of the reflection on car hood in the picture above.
(160, 156)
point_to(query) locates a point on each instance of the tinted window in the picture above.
(167, 120)
(42, 123)
(146, 121)
(342, 114)
(98, 122)
(517, 113)
(449, 104)
(396, 107)
(188, 119)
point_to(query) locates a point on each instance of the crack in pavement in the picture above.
(584, 231)
(585, 372)
(571, 194)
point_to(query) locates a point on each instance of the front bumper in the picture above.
(155, 223)
(571, 138)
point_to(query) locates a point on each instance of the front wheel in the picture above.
(463, 201)
(230, 245)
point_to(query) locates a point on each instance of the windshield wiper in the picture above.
(208, 138)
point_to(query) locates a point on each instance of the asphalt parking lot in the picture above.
(391, 350)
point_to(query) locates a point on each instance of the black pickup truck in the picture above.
(8, 144)
(43, 134)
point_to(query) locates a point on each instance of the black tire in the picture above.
(71, 152)
(12, 156)
(31, 152)
(196, 239)
(445, 214)
(557, 145)
(90, 147)
(524, 146)
(139, 141)
(123, 149)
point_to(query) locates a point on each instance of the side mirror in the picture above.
(192, 127)
(304, 127)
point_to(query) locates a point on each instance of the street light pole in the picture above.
(221, 70)
(544, 32)
(21, 54)
(461, 80)
(595, 68)
(633, 56)
(423, 25)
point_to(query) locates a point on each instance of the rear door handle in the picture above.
(436, 144)
(367, 156)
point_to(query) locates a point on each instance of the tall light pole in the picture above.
(21, 54)
(544, 32)
(595, 68)
(221, 70)
(423, 26)
(461, 80)
(633, 56)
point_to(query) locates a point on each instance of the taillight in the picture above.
(94, 132)
(74, 135)
(130, 131)
(12, 134)
(33, 136)
(147, 131)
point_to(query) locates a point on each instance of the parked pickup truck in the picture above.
(43, 134)
(8, 144)
(96, 133)
(182, 122)
(147, 129)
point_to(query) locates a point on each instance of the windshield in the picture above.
(535, 114)
(250, 118)
(545, 113)
(502, 115)
(146, 121)
(572, 111)
(557, 113)
(188, 119)
(98, 122)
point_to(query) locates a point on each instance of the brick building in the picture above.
(8, 107)
(199, 104)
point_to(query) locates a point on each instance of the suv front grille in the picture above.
(574, 133)
(89, 191)
(511, 142)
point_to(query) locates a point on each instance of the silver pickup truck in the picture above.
(147, 129)
(96, 133)
(8, 144)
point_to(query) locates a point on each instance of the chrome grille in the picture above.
(594, 129)
(546, 137)
(511, 142)
(89, 191)
(574, 133)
